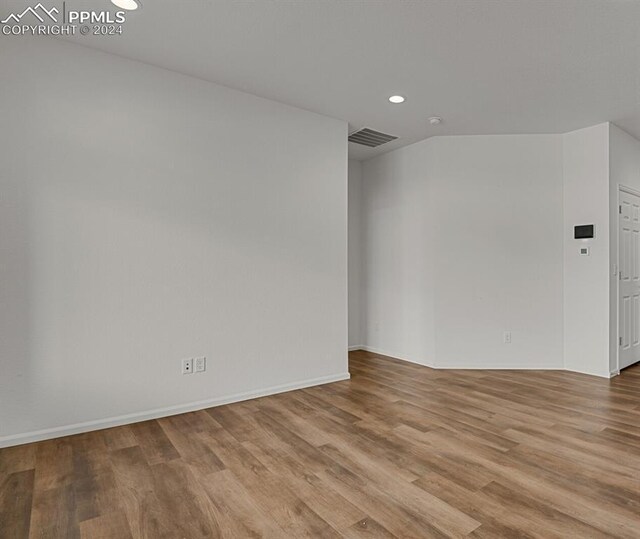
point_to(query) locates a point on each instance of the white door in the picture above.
(629, 289)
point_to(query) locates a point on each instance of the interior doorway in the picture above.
(629, 278)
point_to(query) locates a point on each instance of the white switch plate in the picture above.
(507, 337)
(187, 366)
(200, 364)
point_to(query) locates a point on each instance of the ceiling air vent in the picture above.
(371, 138)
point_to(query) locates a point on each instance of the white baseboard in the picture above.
(67, 430)
(495, 366)
(355, 347)
(395, 356)
(594, 373)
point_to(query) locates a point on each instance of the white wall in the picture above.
(586, 278)
(498, 251)
(146, 217)
(624, 169)
(462, 244)
(355, 254)
(399, 269)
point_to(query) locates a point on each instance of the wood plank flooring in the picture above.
(398, 451)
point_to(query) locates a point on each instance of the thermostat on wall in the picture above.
(583, 232)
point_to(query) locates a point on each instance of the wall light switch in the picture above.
(584, 251)
(507, 337)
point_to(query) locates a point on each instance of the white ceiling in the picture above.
(485, 66)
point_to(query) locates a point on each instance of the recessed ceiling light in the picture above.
(396, 99)
(435, 120)
(129, 5)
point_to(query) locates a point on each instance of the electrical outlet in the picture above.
(187, 366)
(507, 337)
(200, 364)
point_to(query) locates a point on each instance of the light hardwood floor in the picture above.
(398, 451)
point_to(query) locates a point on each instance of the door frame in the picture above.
(635, 192)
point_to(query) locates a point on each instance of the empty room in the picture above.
(319, 269)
